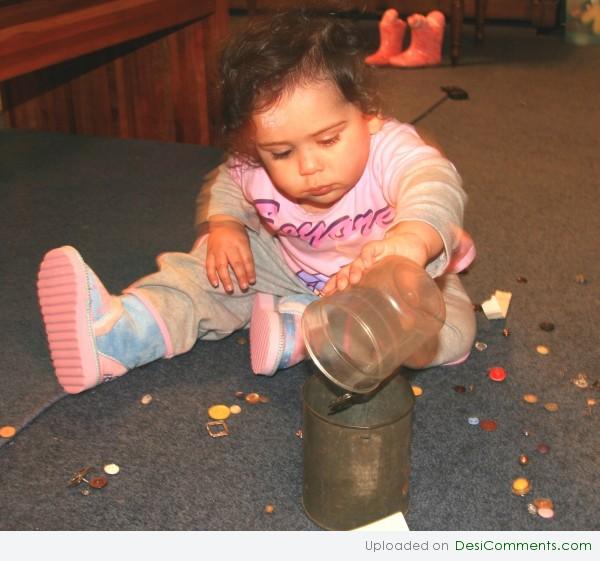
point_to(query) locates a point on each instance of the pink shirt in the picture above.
(317, 245)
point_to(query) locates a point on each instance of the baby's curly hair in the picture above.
(273, 56)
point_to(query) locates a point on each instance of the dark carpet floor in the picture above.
(526, 145)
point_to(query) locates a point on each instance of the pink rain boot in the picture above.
(276, 340)
(94, 336)
(427, 34)
(391, 37)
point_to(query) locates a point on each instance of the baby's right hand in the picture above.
(228, 246)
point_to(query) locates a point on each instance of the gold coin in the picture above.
(269, 509)
(530, 398)
(7, 431)
(417, 390)
(551, 406)
(521, 486)
(146, 399)
(219, 412)
(591, 401)
(542, 349)
(252, 398)
(235, 409)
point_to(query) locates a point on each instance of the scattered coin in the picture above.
(241, 341)
(98, 482)
(543, 503)
(481, 346)
(269, 509)
(235, 409)
(581, 380)
(546, 326)
(526, 432)
(580, 279)
(252, 398)
(111, 469)
(85, 491)
(299, 433)
(471, 388)
(146, 399)
(240, 395)
(219, 412)
(530, 398)
(551, 406)
(545, 512)
(521, 279)
(531, 509)
(497, 374)
(488, 425)
(7, 431)
(542, 349)
(591, 401)
(459, 389)
(521, 486)
(417, 391)
(523, 459)
(506, 332)
(473, 421)
(542, 448)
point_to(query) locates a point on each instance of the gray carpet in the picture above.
(526, 145)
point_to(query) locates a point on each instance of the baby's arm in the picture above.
(417, 241)
(426, 191)
(222, 214)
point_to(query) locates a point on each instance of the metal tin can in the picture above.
(356, 461)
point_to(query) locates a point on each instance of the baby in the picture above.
(316, 187)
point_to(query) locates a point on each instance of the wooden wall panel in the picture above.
(155, 87)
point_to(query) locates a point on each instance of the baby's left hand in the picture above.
(405, 244)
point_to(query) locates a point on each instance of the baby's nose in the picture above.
(309, 163)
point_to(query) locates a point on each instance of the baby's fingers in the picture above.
(357, 268)
(211, 270)
(243, 269)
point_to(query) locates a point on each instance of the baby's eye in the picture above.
(281, 155)
(330, 141)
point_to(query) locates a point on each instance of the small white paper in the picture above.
(392, 523)
(497, 305)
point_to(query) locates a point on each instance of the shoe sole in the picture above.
(265, 336)
(65, 305)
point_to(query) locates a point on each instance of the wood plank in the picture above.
(158, 86)
(35, 43)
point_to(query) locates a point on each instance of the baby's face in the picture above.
(314, 144)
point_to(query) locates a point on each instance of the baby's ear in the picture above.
(374, 123)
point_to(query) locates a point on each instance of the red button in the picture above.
(497, 373)
(488, 425)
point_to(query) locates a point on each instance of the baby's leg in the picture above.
(193, 309)
(95, 337)
(454, 341)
